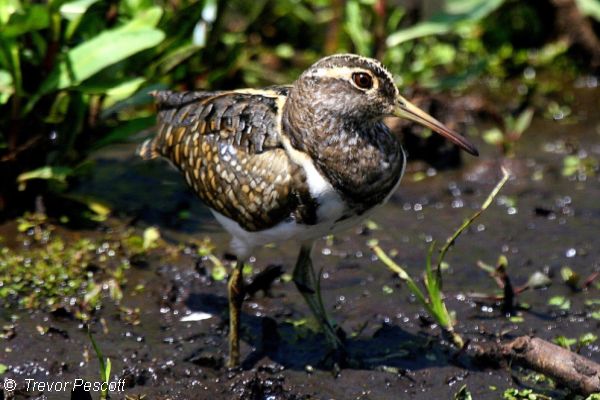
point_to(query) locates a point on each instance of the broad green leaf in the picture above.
(146, 19)
(106, 49)
(32, 18)
(122, 91)
(590, 8)
(456, 12)
(8, 8)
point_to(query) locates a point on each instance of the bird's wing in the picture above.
(228, 146)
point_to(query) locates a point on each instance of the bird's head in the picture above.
(355, 88)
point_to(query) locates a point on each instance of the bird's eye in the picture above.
(362, 80)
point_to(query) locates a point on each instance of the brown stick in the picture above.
(567, 368)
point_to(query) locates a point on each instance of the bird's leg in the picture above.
(308, 285)
(235, 289)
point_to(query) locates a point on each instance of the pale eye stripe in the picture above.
(345, 73)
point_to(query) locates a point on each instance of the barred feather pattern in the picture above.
(227, 146)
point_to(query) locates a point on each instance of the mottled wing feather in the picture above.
(227, 146)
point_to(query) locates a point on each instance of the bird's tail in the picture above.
(147, 150)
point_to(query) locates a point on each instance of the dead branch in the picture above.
(572, 370)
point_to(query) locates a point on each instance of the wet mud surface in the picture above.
(542, 221)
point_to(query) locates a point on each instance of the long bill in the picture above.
(404, 109)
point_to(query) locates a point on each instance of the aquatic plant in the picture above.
(432, 299)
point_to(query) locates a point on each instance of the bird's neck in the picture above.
(360, 158)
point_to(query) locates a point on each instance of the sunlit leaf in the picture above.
(560, 301)
(108, 48)
(32, 18)
(122, 91)
(151, 236)
(75, 9)
(493, 136)
(46, 173)
(523, 121)
(569, 276)
(587, 338)
(564, 341)
(457, 11)
(6, 86)
(590, 8)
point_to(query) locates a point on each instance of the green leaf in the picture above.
(218, 272)
(59, 109)
(587, 339)
(175, 57)
(564, 342)
(569, 276)
(75, 9)
(590, 8)
(34, 17)
(361, 38)
(6, 86)
(151, 236)
(523, 121)
(463, 394)
(47, 173)
(3, 368)
(457, 11)
(560, 301)
(108, 48)
(122, 91)
(122, 132)
(493, 136)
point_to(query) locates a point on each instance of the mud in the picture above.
(542, 221)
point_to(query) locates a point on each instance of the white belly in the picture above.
(331, 208)
(244, 242)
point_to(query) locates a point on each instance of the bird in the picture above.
(290, 162)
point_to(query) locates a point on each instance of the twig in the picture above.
(572, 370)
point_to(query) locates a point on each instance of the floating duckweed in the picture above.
(50, 271)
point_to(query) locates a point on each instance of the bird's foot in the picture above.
(337, 359)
